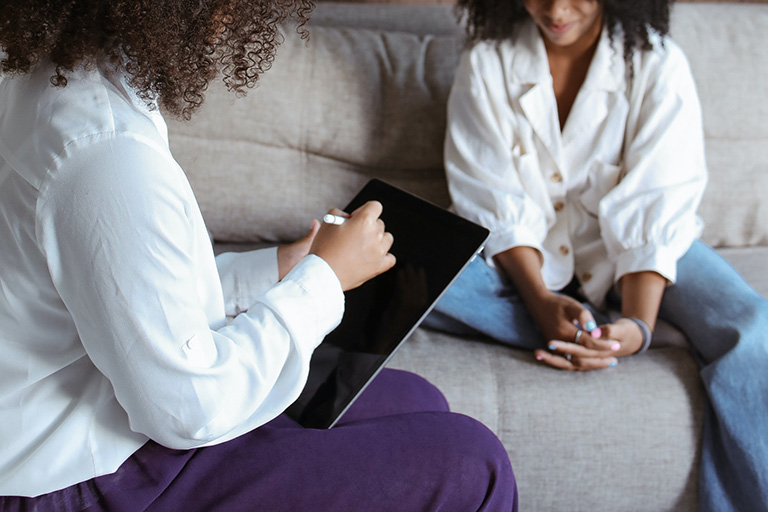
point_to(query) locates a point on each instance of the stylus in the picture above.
(330, 218)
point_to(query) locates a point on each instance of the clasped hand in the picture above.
(561, 318)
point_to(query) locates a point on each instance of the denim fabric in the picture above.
(726, 323)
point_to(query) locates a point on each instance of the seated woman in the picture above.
(123, 387)
(575, 135)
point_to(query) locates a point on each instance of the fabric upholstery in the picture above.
(366, 97)
(621, 440)
(331, 113)
(353, 103)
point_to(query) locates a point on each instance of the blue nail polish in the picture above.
(613, 363)
(591, 325)
(552, 347)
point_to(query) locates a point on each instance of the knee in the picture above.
(736, 353)
(477, 445)
(478, 466)
(748, 330)
(412, 389)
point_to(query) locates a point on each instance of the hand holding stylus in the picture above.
(356, 248)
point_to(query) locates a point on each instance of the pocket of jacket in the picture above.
(602, 179)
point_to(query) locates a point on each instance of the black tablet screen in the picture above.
(432, 246)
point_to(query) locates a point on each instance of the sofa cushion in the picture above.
(731, 72)
(613, 435)
(348, 105)
(359, 102)
(418, 19)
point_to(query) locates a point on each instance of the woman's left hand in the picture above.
(626, 336)
(290, 254)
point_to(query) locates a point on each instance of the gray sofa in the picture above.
(365, 97)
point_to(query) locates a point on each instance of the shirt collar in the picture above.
(152, 112)
(530, 65)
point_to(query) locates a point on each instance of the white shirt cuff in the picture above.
(245, 276)
(660, 259)
(501, 241)
(323, 288)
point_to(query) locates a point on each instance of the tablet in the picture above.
(432, 246)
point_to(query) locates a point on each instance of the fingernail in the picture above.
(615, 346)
(539, 357)
(591, 326)
(596, 332)
(613, 363)
(552, 346)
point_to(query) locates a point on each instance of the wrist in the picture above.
(547, 309)
(536, 298)
(645, 330)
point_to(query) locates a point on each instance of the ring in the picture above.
(568, 357)
(578, 335)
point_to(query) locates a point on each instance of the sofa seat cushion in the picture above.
(636, 426)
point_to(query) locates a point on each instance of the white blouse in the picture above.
(113, 312)
(615, 192)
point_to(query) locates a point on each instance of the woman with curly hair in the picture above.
(575, 135)
(123, 385)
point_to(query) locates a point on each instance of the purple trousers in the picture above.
(396, 449)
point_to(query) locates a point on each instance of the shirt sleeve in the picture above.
(483, 159)
(648, 221)
(246, 275)
(116, 223)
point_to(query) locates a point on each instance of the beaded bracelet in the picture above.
(647, 334)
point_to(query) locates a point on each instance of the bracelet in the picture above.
(647, 334)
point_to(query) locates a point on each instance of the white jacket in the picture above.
(616, 192)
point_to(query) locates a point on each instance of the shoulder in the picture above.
(665, 61)
(519, 59)
(482, 55)
(40, 122)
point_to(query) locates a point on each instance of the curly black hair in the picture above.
(170, 49)
(497, 20)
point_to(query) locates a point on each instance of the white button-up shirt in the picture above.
(113, 312)
(615, 192)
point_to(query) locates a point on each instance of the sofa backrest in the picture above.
(366, 97)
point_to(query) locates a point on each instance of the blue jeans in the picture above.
(726, 323)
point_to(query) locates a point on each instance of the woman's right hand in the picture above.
(357, 250)
(560, 319)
